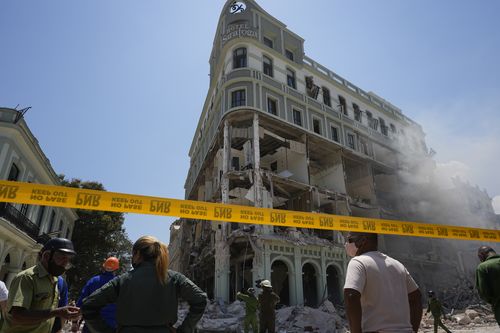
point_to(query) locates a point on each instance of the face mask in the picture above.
(55, 270)
(351, 249)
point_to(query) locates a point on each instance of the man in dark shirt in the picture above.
(267, 300)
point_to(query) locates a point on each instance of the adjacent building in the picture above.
(279, 130)
(24, 227)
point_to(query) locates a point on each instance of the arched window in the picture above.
(240, 58)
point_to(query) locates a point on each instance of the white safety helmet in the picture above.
(266, 284)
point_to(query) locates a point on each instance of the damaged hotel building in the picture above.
(279, 130)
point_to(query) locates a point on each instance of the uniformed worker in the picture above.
(147, 297)
(267, 301)
(435, 308)
(488, 278)
(33, 296)
(251, 306)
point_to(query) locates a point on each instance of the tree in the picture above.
(96, 236)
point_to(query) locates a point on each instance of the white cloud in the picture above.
(496, 204)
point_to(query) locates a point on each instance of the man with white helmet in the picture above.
(267, 300)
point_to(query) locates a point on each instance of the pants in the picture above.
(250, 321)
(267, 324)
(438, 322)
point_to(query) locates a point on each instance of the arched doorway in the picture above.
(333, 284)
(309, 285)
(280, 281)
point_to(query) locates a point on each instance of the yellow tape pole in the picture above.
(68, 197)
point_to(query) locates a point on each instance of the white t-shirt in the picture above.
(4, 293)
(384, 285)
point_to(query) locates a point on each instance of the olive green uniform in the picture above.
(251, 306)
(434, 306)
(32, 289)
(143, 304)
(488, 283)
(268, 300)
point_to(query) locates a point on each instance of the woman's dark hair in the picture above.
(151, 249)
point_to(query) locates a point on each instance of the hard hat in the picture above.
(266, 284)
(250, 290)
(430, 293)
(111, 264)
(59, 244)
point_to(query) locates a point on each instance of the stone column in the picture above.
(299, 291)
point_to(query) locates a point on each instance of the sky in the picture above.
(116, 87)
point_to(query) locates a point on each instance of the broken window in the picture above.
(317, 126)
(240, 58)
(268, 42)
(235, 163)
(274, 166)
(290, 78)
(271, 106)
(326, 96)
(335, 133)
(343, 105)
(238, 98)
(311, 89)
(13, 173)
(383, 127)
(268, 66)
(289, 54)
(297, 117)
(350, 141)
(357, 112)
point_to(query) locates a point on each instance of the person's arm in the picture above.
(92, 305)
(482, 285)
(352, 299)
(197, 301)
(242, 297)
(415, 309)
(23, 316)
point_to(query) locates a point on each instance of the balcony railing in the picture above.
(14, 216)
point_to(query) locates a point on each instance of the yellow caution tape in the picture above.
(59, 196)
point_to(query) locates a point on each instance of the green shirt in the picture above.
(143, 304)
(251, 303)
(488, 280)
(434, 306)
(32, 289)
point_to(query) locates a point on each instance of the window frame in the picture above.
(270, 66)
(337, 133)
(236, 90)
(343, 105)
(270, 98)
(292, 78)
(237, 58)
(14, 168)
(267, 41)
(289, 53)
(319, 122)
(299, 112)
(327, 97)
(349, 135)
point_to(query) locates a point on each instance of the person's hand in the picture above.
(68, 312)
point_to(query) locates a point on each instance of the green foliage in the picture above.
(96, 236)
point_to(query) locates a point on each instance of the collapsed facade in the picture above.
(279, 130)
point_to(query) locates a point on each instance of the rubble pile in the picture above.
(301, 319)
(460, 296)
(477, 315)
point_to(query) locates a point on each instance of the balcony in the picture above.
(14, 216)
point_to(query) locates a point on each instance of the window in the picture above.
(289, 54)
(383, 127)
(375, 124)
(240, 58)
(350, 141)
(343, 105)
(335, 133)
(268, 66)
(274, 166)
(326, 96)
(363, 146)
(13, 173)
(24, 209)
(268, 42)
(316, 126)
(51, 221)
(369, 119)
(39, 218)
(357, 112)
(235, 163)
(271, 106)
(393, 128)
(290, 78)
(238, 98)
(297, 117)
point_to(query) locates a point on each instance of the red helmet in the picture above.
(111, 264)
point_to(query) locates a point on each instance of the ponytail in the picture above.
(151, 249)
